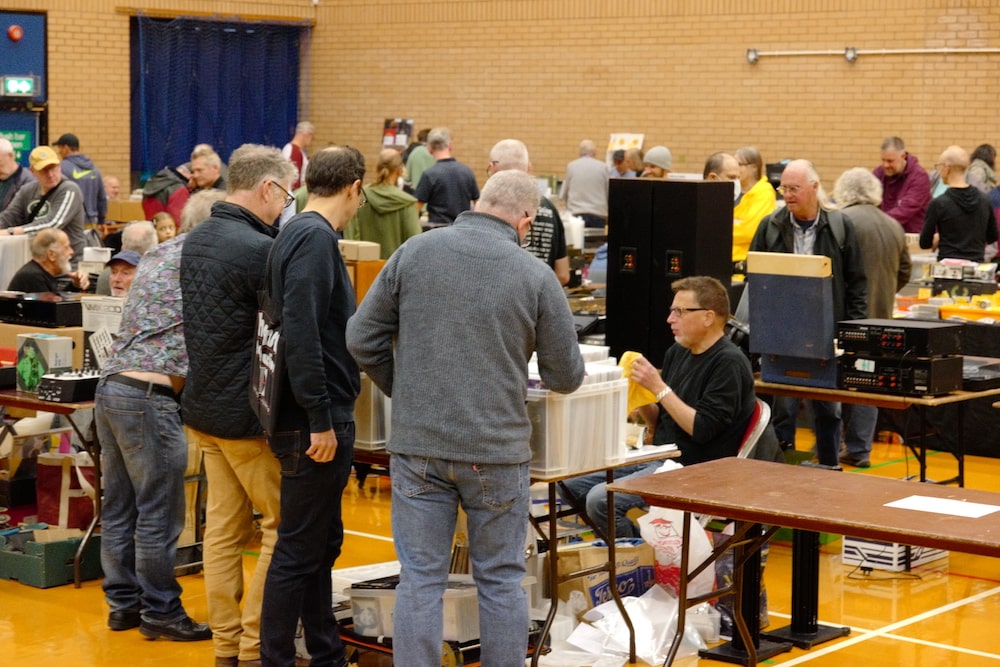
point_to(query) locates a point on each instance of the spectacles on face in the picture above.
(679, 312)
(526, 243)
(289, 197)
(491, 166)
(789, 189)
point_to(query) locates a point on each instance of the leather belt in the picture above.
(154, 387)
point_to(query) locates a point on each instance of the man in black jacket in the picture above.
(804, 227)
(314, 437)
(222, 269)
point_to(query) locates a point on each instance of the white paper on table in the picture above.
(944, 506)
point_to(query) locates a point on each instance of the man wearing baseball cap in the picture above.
(123, 267)
(80, 169)
(50, 203)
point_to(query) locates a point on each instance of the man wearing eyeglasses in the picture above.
(314, 436)
(805, 227)
(222, 270)
(704, 397)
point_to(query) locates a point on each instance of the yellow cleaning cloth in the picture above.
(637, 394)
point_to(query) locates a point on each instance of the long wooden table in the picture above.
(893, 402)
(809, 499)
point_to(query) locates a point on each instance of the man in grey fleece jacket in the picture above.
(447, 330)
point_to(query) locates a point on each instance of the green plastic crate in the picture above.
(48, 564)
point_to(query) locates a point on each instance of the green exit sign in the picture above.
(19, 86)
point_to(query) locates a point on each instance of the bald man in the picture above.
(960, 222)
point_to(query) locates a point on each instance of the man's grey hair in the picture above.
(6, 148)
(893, 143)
(510, 154)
(139, 236)
(438, 139)
(305, 127)
(250, 164)
(198, 208)
(857, 186)
(509, 195)
(587, 147)
(812, 176)
(44, 240)
(206, 153)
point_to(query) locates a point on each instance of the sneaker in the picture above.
(856, 462)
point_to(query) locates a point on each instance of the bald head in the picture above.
(952, 164)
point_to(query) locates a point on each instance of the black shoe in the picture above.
(849, 460)
(184, 630)
(125, 619)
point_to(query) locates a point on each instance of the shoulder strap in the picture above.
(836, 221)
(33, 213)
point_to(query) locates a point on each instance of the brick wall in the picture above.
(552, 72)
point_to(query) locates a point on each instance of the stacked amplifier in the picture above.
(901, 357)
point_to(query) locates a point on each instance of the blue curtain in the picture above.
(216, 82)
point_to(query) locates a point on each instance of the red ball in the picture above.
(15, 33)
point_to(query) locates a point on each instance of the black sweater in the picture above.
(964, 220)
(310, 280)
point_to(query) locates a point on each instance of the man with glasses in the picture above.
(222, 269)
(314, 436)
(704, 397)
(805, 227)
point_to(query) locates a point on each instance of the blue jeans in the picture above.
(426, 494)
(310, 537)
(859, 430)
(591, 491)
(826, 425)
(143, 458)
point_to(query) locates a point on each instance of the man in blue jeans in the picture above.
(144, 455)
(446, 331)
(314, 436)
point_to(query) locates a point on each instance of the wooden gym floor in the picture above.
(942, 614)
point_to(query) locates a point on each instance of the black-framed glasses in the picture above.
(681, 311)
(289, 197)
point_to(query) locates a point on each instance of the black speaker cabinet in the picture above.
(658, 232)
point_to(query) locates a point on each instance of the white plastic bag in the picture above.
(663, 529)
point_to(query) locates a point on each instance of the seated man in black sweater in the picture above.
(704, 396)
(49, 269)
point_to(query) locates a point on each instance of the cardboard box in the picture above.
(38, 354)
(124, 210)
(102, 316)
(634, 570)
(360, 251)
(47, 564)
(10, 332)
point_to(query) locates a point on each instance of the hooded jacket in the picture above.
(964, 220)
(80, 169)
(905, 196)
(389, 218)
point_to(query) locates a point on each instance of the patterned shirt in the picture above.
(151, 336)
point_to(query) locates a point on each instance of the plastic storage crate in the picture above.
(579, 431)
(372, 607)
(372, 415)
(48, 564)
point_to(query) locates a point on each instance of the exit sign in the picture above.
(19, 86)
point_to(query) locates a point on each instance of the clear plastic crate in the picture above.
(372, 416)
(372, 608)
(579, 431)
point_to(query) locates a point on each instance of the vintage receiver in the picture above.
(912, 338)
(44, 309)
(71, 387)
(900, 376)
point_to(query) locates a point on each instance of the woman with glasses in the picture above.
(391, 215)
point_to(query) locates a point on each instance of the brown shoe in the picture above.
(249, 663)
(231, 661)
